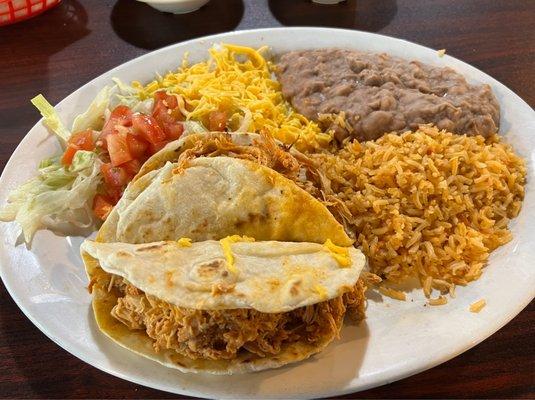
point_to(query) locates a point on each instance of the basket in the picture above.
(12, 11)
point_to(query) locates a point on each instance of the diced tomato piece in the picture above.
(114, 193)
(120, 116)
(147, 127)
(162, 99)
(102, 206)
(173, 131)
(118, 149)
(166, 108)
(132, 167)
(82, 140)
(217, 120)
(136, 145)
(114, 176)
(156, 147)
(68, 155)
(79, 141)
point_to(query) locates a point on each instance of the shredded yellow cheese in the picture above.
(441, 52)
(238, 80)
(227, 251)
(340, 254)
(184, 242)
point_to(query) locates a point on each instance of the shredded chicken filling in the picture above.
(224, 334)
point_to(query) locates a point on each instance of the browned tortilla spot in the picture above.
(294, 290)
(210, 269)
(150, 248)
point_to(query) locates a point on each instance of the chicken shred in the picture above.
(224, 334)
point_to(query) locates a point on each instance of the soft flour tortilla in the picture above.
(298, 274)
(214, 197)
(270, 276)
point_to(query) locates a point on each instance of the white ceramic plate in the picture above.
(397, 339)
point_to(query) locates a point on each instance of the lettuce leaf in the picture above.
(56, 197)
(93, 117)
(51, 118)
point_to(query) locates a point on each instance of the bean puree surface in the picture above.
(378, 93)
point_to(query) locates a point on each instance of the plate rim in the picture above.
(385, 377)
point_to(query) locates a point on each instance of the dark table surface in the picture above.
(66, 47)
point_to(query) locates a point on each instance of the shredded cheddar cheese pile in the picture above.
(238, 80)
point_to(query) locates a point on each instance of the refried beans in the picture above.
(374, 94)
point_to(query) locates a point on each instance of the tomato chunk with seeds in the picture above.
(217, 120)
(114, 176)
(68, 155)
(118, 149)
(102, 206)
(121, 116)
(79, 141)
(132, 167)
(136, 145)
(147, 127)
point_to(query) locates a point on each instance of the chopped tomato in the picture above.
(147, 127)
(132, 167)
(173, 131)
(102, 206)
(114, 193)
(118, 149)
(156, 147)
(114, 176)
(136, 145)
(166, 105)
(168, 100)
(79, 141)
(168, 115)
(120, 116)
(68, 155)
(82, 140)
(217, 120)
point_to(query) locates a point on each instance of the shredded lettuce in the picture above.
(51, 118)
(93, 117)
(191, 127)
(57, 196)
(130, 96)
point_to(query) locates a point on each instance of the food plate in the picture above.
(396, 340)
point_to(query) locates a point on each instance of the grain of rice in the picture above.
(394, 294)
(439, 301)
(478, 306)
(435, 210)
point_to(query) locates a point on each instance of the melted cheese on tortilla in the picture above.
(227, 250)
(340, 254)
(184, 242)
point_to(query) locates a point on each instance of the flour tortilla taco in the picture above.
(213, 197)
(224, 307)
